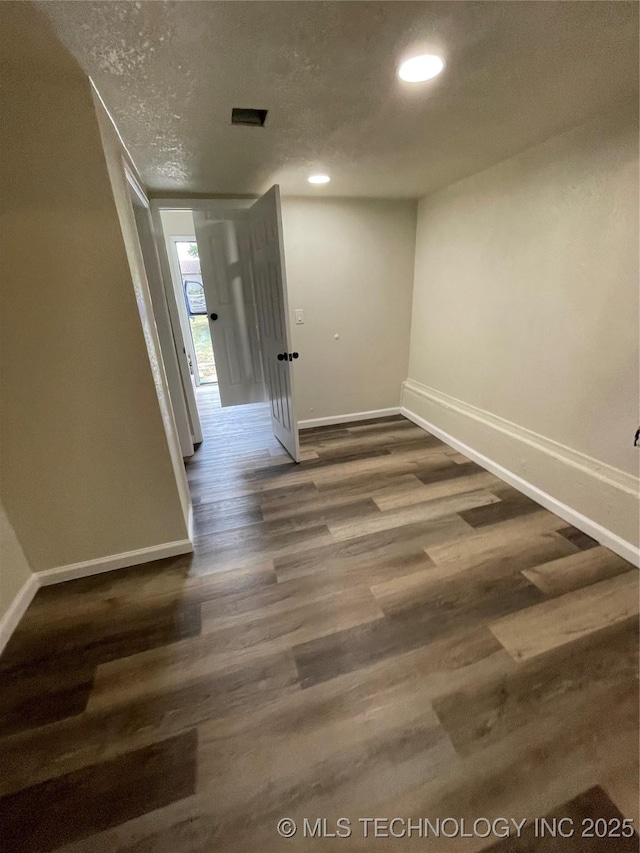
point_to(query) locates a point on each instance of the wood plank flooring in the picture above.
(384, 630)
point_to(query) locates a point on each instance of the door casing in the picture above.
(178, 336)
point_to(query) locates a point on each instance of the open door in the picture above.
(176, 330)
(226, 280)
(270, 284)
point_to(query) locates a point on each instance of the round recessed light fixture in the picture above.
(319, 179)
(420, 68)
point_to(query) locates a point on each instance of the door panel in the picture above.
(144, 225)
(270, 284)
(169, 283)
(226, 276)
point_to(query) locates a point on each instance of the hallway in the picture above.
(383, 630)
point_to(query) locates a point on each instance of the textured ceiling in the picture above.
(517, 73)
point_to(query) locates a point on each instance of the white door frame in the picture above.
(176, 275)
(144, 261)
(214, 205)
(140, 203)
(178, 337)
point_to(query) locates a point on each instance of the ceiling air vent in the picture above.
(252, 118)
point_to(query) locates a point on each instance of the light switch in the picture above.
(299, 316)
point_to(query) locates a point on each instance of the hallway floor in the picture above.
(385, 630)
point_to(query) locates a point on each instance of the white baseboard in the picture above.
(9, 622)
(345, 419)
(115, 561)
(17, 609)
(597, 531)
(190, 526)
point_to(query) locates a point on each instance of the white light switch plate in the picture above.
(299, 316)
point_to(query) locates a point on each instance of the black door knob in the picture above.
(282, 356)
(213, 316)
(294, 355)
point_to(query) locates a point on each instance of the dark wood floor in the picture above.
(384, 630)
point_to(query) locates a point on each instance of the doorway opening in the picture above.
(230, 307)
(201, 358)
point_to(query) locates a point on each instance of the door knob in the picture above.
(213, 316)
(293, 355)
(282, 356)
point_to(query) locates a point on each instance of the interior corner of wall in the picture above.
(18, 584)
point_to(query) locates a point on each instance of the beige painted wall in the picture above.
(86, 468)
(526, 308)
(14, 569)
(350, 267)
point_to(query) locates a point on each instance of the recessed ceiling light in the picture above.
(420, 68)
(319, 179)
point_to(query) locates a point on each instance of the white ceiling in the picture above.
(516, 74)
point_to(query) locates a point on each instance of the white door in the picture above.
(226, 278)
(144, 225)
(270, 283)
(168, 272)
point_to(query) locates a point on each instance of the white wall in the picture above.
(524, 340)
(350, 267)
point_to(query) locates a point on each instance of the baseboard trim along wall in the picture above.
(9, 622)
(345, 419)
(116, 561)
(17, 609)
(549, 473)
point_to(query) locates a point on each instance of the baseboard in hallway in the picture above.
(351, 417)
(113, 562)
